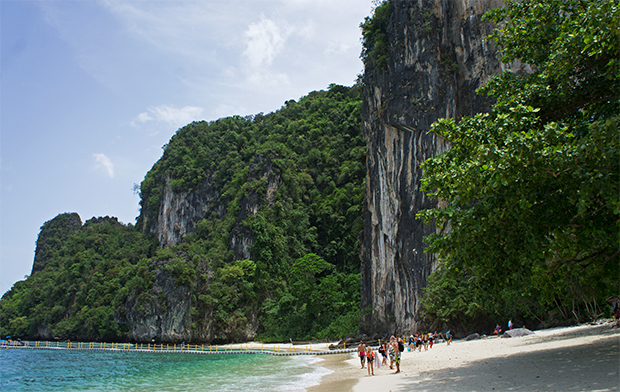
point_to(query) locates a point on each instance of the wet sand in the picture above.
(344, 376)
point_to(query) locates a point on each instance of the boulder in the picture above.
(511, 333)
(473, 336)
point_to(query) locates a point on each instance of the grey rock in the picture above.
(511, 333)
(438, 56)
(472, 336)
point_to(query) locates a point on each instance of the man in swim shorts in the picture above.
(361, 351)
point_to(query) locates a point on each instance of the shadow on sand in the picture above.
(593, 366)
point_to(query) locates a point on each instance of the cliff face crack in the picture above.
(438, 56)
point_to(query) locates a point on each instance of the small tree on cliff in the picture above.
(532, 188)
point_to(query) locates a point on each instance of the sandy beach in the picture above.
(579, 358)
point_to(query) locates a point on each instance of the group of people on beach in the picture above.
(391, 351)
(425, 340)
(498, 329)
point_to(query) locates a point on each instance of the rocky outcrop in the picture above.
(51, 237)
(264, 182)
(179, 213)
(162, 314)
(438, 56)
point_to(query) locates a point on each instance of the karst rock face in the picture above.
(439, 54)
(180, 212)
(164, 313)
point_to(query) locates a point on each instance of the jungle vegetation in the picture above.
(302, 281)
(86, 271)
(533, 187)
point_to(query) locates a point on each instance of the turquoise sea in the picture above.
(67, 370)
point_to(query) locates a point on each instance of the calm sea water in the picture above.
(51, 370)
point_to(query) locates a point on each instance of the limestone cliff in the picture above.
(438, 56)
(165, 312)
(179, 212)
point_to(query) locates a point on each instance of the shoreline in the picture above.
(583, 357)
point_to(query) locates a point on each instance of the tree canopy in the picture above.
(374, 38)
(531, 190)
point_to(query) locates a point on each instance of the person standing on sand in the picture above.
(396, 355)
(391, 351)
(361, 351)
(510, 324)
(370, 357)
(384, 353)
(448, 338)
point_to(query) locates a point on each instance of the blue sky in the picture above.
(91, 90)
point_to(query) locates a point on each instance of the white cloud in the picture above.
(169, 115)
(264, 41)
(103, 162)
(336, 48)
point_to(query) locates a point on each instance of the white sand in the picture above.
(581, 358)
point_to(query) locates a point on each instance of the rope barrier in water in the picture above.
(269, 349)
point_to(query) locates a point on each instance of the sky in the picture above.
(91, 90)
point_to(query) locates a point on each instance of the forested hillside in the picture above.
(302, 279)
(83, 273)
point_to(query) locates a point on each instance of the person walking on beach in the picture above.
(510, 324)
(361, 351)
(384, 353)
(370, 358)
(448, 338)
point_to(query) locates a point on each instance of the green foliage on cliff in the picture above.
(291, 182)
(87, 273)
(532, 188)
(322, 302)
(53, 233)
(374, 38)
(302, 170)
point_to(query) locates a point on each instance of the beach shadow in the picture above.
(565, 333)
(593, 366)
